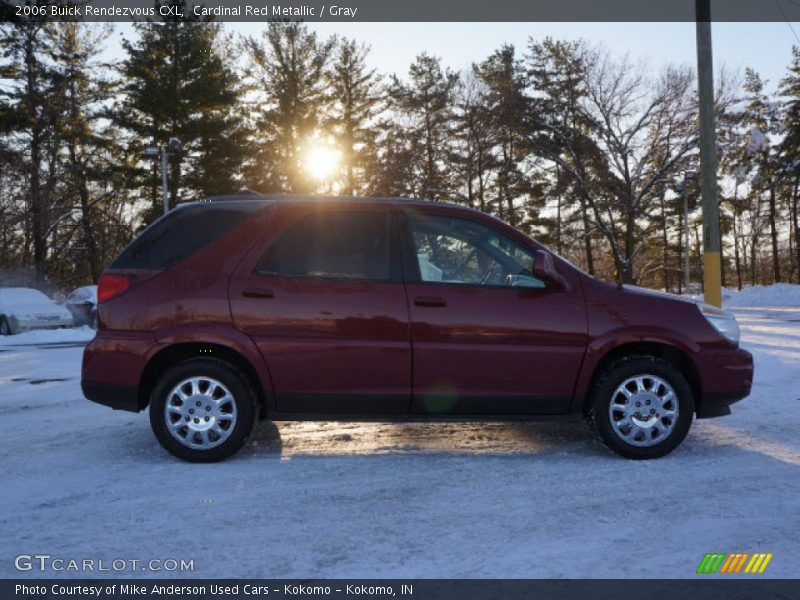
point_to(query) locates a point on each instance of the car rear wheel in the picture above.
(203, 410)
(5, 328)
(641, 407)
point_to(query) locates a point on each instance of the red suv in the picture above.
(248, 307)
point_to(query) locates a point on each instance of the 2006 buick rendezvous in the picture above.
(243, 307)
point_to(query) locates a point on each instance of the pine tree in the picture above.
(759, 121)
(179, 81)
(558, 130)
(391, 162)
(355, 99)
(471, 156)
(790, 146)
(89, 140)
(27, 93)
(507, 106)
(289, 70)
(426, 104)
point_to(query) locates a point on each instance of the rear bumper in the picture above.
(113, 363)
(118, 397)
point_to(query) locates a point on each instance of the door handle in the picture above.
(432, 301)
(257, 293)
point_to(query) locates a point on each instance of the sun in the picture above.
(321, 160)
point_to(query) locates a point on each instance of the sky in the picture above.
(766, 47)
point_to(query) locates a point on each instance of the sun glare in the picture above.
(321, 161)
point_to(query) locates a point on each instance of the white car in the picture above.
(22, 309)
(82, 303)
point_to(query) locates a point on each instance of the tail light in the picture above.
(111, 286)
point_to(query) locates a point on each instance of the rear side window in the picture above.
(181, 233)
(334, 245)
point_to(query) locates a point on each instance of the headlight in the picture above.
(723, 321)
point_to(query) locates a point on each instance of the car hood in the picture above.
(640, 291)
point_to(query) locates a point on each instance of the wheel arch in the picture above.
(175, 353)
(672, 354)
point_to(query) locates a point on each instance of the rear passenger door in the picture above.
(326, 306)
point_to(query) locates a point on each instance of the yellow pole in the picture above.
(712, 267)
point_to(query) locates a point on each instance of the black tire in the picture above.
(603, 393)
(5, 326)
(243, 397)
(93, 323)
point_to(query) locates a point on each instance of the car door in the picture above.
(326, 306)
(488, 337)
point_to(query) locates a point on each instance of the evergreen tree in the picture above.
(89, 140)
(790, 146)
(426, 105)
(558, 130)
(27, 94)
(391, 163)
(759, 120)
(355, 99)
(179, 82)
(473, 138)
(289, 70)
(507, 105)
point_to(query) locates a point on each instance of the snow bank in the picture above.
(779, 294)
(49, 336)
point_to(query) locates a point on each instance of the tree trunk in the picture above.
(558, 225)
(680, 252)
(795, 217)
(626, 275)
(587, 239)
(776, 266)
(38, 229)
(665, 242)
(736, 258)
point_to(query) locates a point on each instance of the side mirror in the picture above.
(544, 268)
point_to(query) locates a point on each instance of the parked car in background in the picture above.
(22, 309)
(82, 303)
(290, 308)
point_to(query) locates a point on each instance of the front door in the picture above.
(488, 337)
(325, 304)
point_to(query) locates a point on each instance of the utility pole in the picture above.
(164, 186)
(712, 265)
(153, 153)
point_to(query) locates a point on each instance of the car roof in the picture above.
(248, 196)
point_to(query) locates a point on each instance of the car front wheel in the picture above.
(203, 410)
(5, 328)
(641, 407)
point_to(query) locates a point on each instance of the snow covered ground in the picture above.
(406, 500)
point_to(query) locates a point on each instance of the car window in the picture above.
(332, 244)
(462, 251)
(182, 232)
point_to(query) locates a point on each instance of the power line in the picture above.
(786, 19)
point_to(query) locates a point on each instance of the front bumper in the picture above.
(718, 405)
(726, 377)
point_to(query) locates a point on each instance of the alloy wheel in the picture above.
(200, 412)
(643, 410)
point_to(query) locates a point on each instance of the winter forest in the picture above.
(586, 151)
